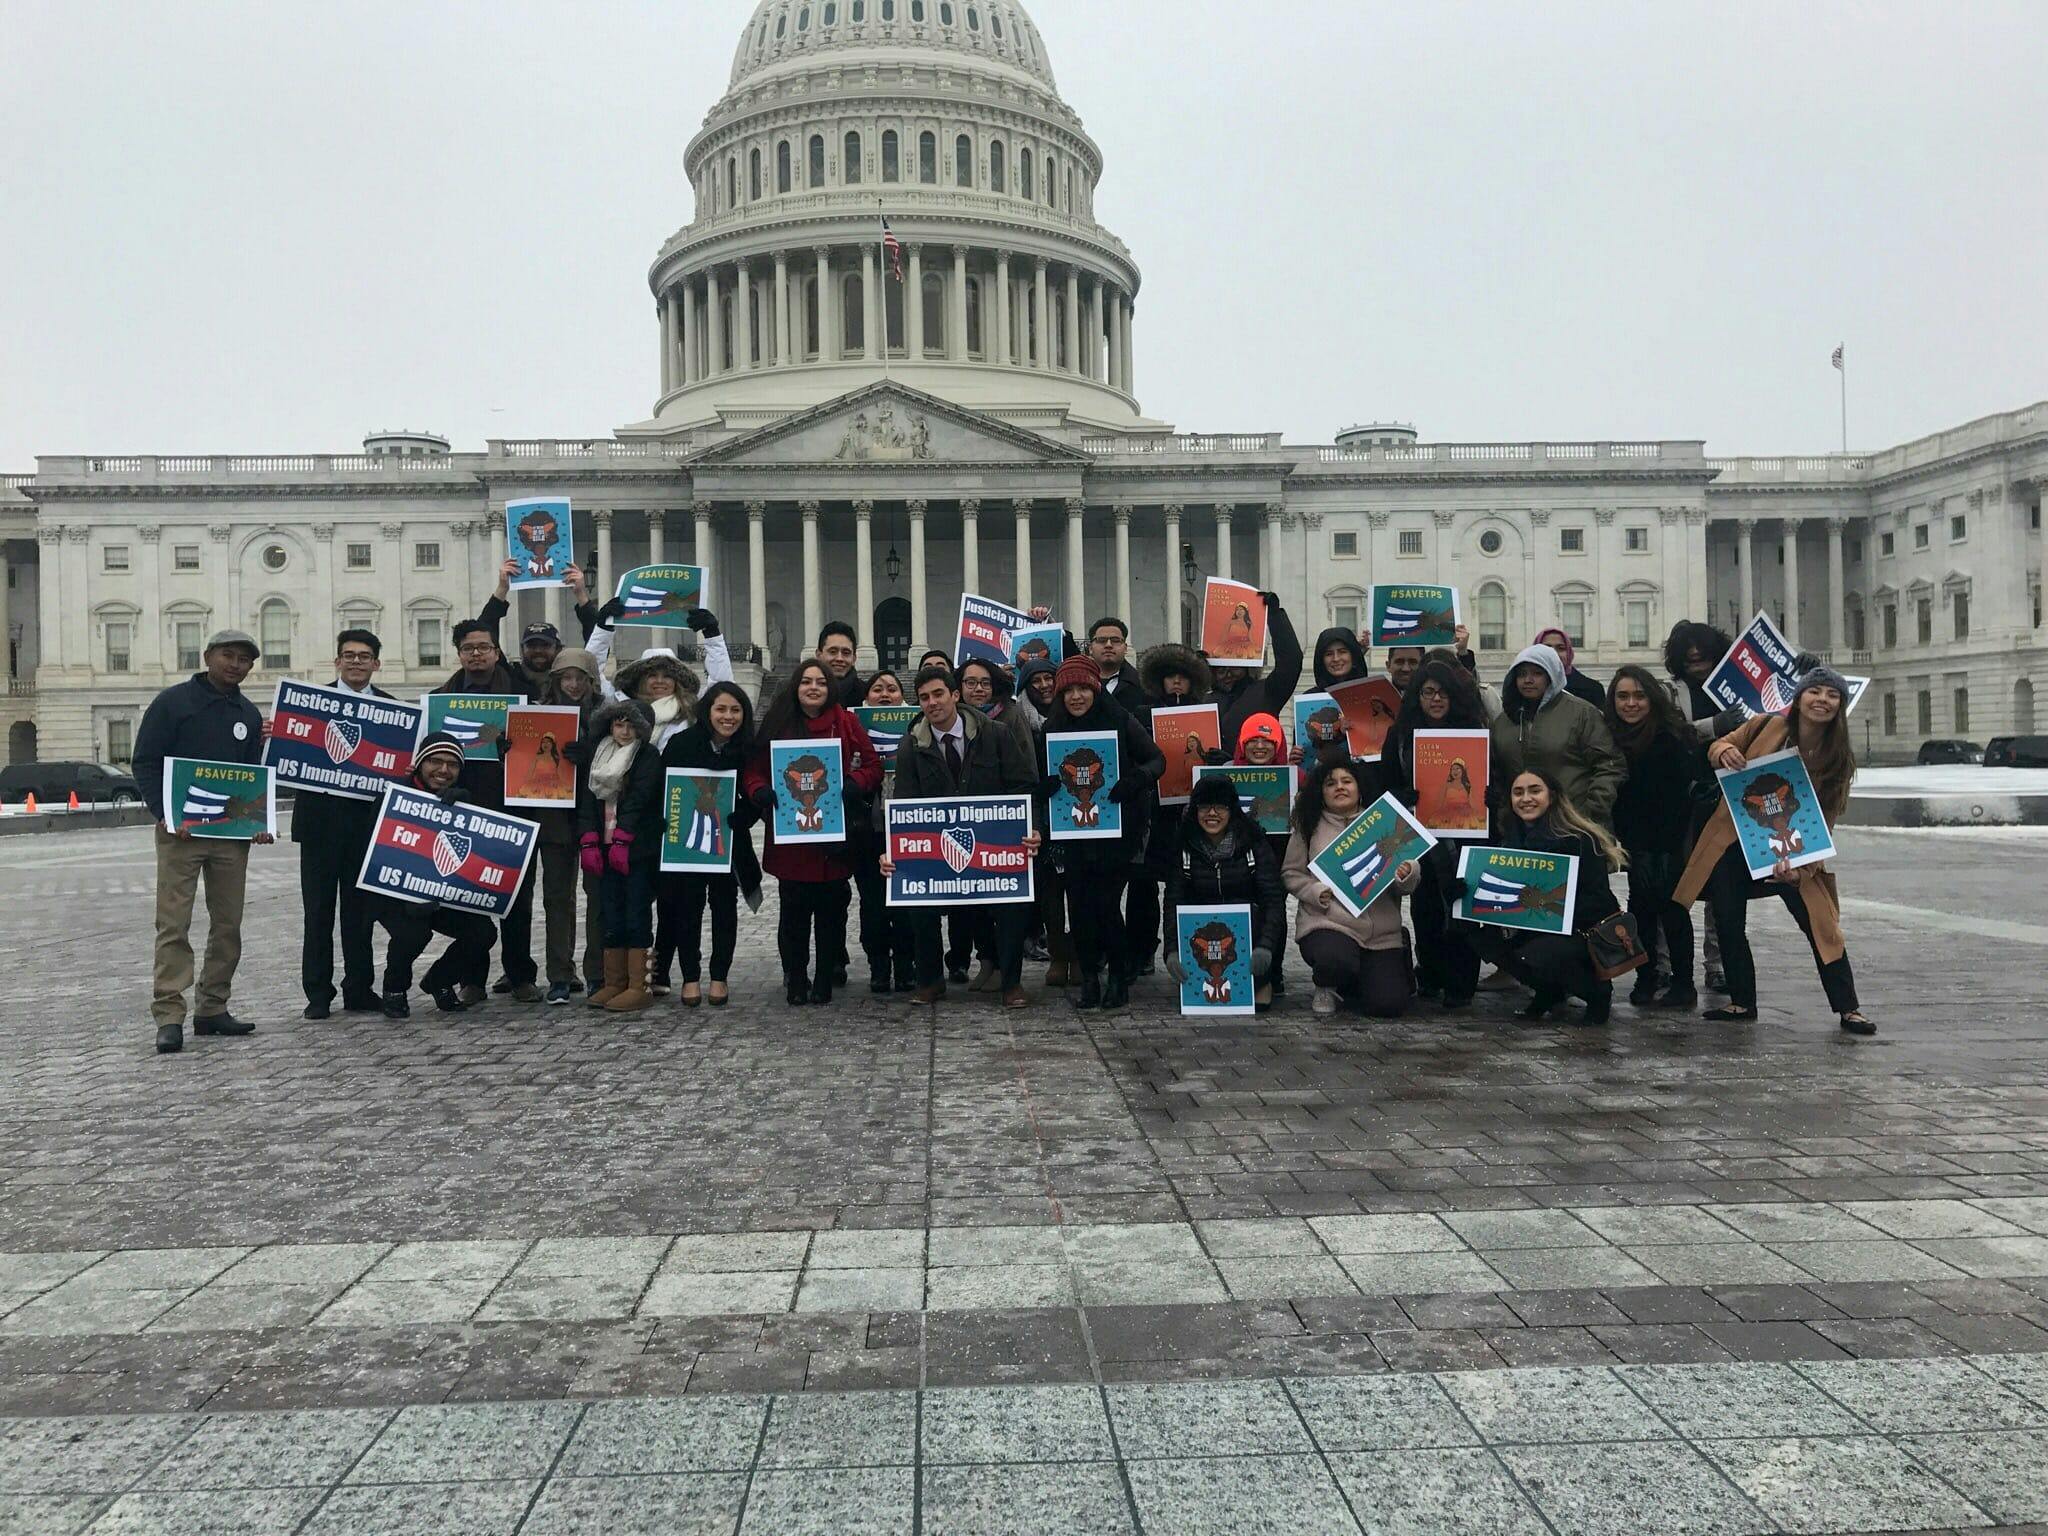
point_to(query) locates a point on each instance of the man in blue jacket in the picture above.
(206, 716)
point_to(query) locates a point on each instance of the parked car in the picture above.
(2016, 752)
(1950, 751)
(54, 783)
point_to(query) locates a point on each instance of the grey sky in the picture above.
(253, 227)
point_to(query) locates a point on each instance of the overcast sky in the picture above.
(235, 225)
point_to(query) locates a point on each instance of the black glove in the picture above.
(1271, 600)
(763, 800)
(1215, 757)
(704, 621)
(608, 615)
(1496, 797)
(1456, 889)
(1050, 785)
(1116, 791)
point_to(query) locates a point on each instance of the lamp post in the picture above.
(1190, 573)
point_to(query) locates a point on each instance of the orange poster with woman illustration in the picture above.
(538, 776)
(1369, 705)
(1451, 774)
(1185, 733)
(1233, 624)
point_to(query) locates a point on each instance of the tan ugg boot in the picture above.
(614, 979)
(635, 995)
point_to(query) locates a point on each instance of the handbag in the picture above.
(1615, 946)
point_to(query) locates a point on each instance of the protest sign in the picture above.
(427, 851)
(959, 851)
(336, 742)
(985, 629)
(1451, 771)
(538, 535)
(1233, 624)
(809, 779)
(537, 774)
(887, 725)
(1369, 705)
(1412, 615)
(659, 596)
(1516, 888)
(1858, 686)
(1087, 767)
(1358, 864)
(1216, 961)
(1756, 676)
(1037, 642)
(231, 801)
(1777, 814)
(696, 833)
(1318, 722)
(476, 720)
(1183, 733)
(1264, 790)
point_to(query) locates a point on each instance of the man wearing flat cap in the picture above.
(206, 716)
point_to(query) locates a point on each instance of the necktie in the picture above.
(953, 757)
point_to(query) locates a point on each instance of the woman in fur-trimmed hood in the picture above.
(1163, 662)
(667, 687)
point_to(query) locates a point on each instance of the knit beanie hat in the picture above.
(1260, 728)
(438, 744)
(1822, 676)
(1213, 789)
(1078, 672)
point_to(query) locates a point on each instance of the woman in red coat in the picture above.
(813, 880)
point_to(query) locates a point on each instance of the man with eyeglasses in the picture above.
(333, 833)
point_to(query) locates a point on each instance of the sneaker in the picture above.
(575, 985)
(469, 996)
(1324, 1003)
(525, 992)
(558, 994)
(449, 1000)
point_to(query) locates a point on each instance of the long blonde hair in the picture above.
(1564, 819)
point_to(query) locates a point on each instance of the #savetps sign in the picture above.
(427, 851)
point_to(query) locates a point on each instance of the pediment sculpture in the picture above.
(883, 439)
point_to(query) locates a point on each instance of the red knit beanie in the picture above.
(1078, 672)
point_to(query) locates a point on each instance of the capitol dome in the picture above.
(1000, 292)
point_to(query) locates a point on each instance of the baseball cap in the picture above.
(540, 629)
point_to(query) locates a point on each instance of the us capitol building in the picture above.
(835, 443)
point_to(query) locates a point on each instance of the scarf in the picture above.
(608, 768)
(666, 711)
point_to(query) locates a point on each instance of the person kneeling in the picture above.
(1225, 860)
(436, 767)
(1360, 960)
(621, 819)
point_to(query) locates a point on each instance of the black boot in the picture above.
(799, 988)
(821, 989)
(1116, 993)
(1540, 1005)
(881, 975)
(906, 974)
(395, 1006)
(1090, 995)
(1644, 993)
(1599, 1006)
(170, 1039)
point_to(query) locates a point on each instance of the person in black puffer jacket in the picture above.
(1653, 815)
(1223, 860)
(621, 820)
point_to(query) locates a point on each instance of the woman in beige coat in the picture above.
(1361, 960)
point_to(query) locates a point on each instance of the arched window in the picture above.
(803, 19)
(860, 10)
(917, 10)
(817, 159)
(1024, 175)
(945, 13)
(963, 161)
(732, 181)
(274, 634)
(997, 180)
(888, 10)
(928, 159)
(731, 346)
(974, 316)
(1493, 616)
(995, 22)
(892, 165)
(973, 19)
(1070, 189)
(810, 322)
(934, 315)
(853, 316)
(831, 12)
(754, 175)
(1051, 180)
(781, 27)
(849, 170)
(782, 166)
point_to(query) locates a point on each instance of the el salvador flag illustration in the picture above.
(1362, 868)
(641, 599)
(1401, 618)
(451, 852)
(341, 739)
(1494, 894)
(203, 804)
(957, 844)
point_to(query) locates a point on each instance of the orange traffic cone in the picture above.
(31, 806)
(74, 800)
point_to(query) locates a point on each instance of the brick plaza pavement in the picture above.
(866, 1269)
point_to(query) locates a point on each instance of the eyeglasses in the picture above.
(475, 650)
(356, 656)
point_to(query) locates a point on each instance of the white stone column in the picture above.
(1023, 510)
(1794, 630)
(1076, 597)
(1123, 561)
(1093, 358)
(704, 552)
(782, 354)
(913, 304)
(667, 314)
(814, 603)
(920, 615)
(1130, 314)
(1838, 607)
(50, 655)
(956, 334)
(743, 318)
(601, 519)
(863, 582)
(714, 327)
(657, 552)
(6, 646)
(998, 347)
(828, 307)
(1745, 559)
(1269, 548)
(1071, 330)
(970, 548)
(686, 296)
(1041, 320)
(1115, 340)
(1224, 512)
(1171, 512)
(757, 578)
(870, 310)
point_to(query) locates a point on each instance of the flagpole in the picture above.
(882, 279)
(1844, 371)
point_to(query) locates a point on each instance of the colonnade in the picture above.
(1787, 542)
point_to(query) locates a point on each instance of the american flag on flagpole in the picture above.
(892, 251)
(1837, 358)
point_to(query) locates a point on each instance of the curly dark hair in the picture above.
(1693, 635)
